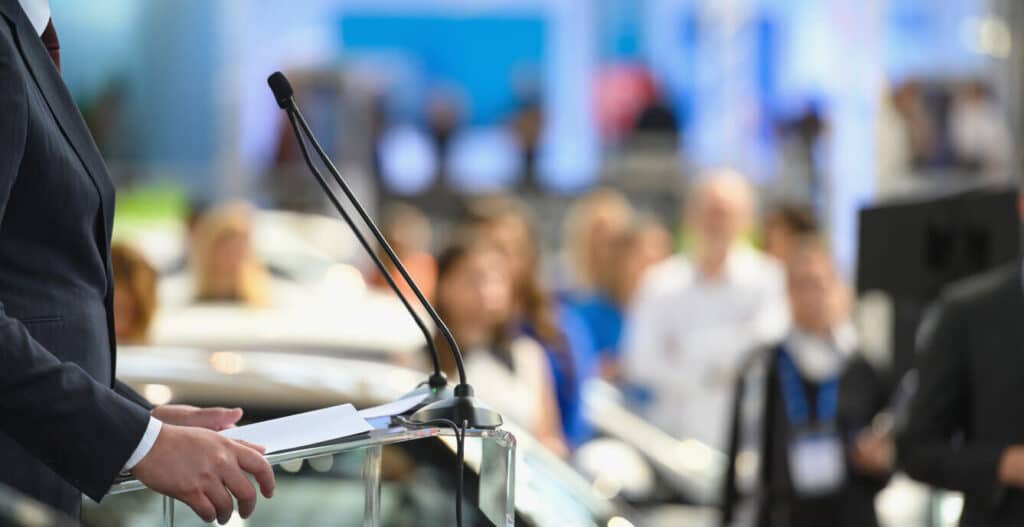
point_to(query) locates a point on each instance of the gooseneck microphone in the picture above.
(283, 93)
(463, 409)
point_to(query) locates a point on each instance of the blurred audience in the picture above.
(696, 315)
(445, 116)
(223, 263)
(509, 369)
(408, 231)
(592, 225)
(527, 124)
(820, 460)
(195, 208)
(980, 136)
(893, 147)
(801, 172)
(536, 313)
(918, 122)
(783, 224)
(135, 294)
(643, 244)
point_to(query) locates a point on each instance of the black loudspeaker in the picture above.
(912, 249)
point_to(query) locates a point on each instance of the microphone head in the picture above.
(281, 87)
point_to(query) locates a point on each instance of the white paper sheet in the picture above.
(303, 429)
(392, 408)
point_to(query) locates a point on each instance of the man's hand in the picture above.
(874, 453)
(215, 419)
(204, 469)
(1011, 466)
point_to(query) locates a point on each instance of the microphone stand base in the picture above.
(430, 396)
(459, 409)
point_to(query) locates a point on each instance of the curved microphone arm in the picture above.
(437, 379)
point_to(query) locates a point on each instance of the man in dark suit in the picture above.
(965, 429)
(66, 426)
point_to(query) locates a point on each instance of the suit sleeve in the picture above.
(80, 428)
(927, 449)
(127, 392)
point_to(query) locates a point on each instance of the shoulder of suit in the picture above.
(993, 285)
(12, 11)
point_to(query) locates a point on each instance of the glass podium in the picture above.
(387, 453)
(17, 510)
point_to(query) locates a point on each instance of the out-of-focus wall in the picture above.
(162, 58)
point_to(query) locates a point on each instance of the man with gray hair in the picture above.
(697, 314)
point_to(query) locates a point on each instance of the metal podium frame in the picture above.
(495, 465)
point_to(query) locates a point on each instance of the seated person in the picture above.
(592, 225)
(641, 245)
(508, 372)
(224, 266)
(408, 232)
(134, 294)
(537, 314)
(784, 224)
(818, 461)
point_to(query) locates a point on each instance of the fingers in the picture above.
(216, 418)
(202, 507)
(252, 462)
(221, 499)
(259, 448)
(244, 492)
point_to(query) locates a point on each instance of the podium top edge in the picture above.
(388, 435)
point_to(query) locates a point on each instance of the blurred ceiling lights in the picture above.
(619, 521)
(227, 362)
(157, 393)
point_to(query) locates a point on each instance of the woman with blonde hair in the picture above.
(223, 263)
(592, 225)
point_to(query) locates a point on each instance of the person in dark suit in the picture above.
(66, 425)
(815, 400)
(965, 429)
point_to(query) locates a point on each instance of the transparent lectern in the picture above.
(404, 466)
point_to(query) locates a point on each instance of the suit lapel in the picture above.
(65, 113)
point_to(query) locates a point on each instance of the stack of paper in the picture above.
(299, 430)
(318, 426)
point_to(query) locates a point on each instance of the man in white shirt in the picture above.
(696, 315)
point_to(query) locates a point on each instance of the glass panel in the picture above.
(497, 479)
(327, 485)
(372, 481)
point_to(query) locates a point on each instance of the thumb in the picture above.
(216, 418)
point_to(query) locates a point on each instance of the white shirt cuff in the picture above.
(145, 444)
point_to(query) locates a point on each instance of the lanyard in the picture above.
(795, 397)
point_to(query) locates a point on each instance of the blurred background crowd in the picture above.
(627, 200)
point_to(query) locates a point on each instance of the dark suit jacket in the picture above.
(65, 425)
(862, 394)
(969, 404)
